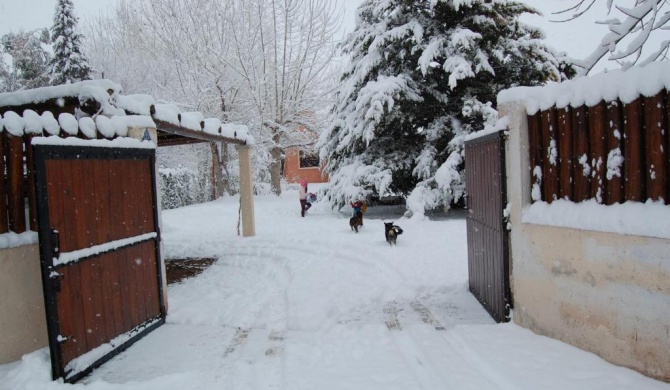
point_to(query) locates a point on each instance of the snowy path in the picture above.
(309, 304)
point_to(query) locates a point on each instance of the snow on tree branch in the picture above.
(630, 31)
(422, 75)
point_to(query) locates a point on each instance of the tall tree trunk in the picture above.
(225, 159)
(275, 167)
(217, 174)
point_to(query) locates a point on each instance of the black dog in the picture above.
(391, 231)
(356, 221)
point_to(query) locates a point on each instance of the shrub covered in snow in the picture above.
(423, 75)
(182, 187)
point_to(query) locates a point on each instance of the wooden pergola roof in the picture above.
(69, 99)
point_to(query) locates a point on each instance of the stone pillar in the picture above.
(518, 170)
(246, 191)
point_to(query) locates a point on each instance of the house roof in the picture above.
(97, 109)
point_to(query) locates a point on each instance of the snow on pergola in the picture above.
(96, 109)
(93, 107)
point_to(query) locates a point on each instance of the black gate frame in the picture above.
(42, 153)
(488, 238)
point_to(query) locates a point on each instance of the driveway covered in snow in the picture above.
(309, 304)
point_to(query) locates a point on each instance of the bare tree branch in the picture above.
(632, 27)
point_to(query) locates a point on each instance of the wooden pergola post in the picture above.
(246, 191)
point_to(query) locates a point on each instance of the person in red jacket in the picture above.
(359, 208)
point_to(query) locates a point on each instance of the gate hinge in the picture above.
(55, 243)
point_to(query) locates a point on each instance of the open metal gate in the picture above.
(488, 254)
(98, 234)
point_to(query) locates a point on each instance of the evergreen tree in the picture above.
(23, 60)
(423, 74)
(69, 64)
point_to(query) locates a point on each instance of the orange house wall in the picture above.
(293, 173)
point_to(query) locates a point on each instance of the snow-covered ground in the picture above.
(309, 304)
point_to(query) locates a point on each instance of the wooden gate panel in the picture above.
(97, 288)
(108, 278)
(71, 307)
(151, 273)
(101, 180)
(488, 258)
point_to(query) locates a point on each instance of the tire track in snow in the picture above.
(426, 315)
(237, 341)
(264, 363)
(454, 346)
(432, 362)
(479, 362)
(421, 365)
(390, 311)
(275, 344)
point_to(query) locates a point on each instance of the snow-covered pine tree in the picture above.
(69, 64)
(423, 74)
(23, 60)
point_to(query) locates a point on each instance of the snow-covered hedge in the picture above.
(182, 187)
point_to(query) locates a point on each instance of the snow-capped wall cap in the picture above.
(33, 122)
(501, 124)
(104, 143)
(120, 125)
(105, 126)
(167, 113)
(240, 132)
(14, 123)
(212, 125)
(39, 95)
(49, 123)
(139, 104)
(87, 127)
(68, 123)
(625, 86)
(192, 120)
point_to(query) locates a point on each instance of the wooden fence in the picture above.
(612, 152)
(18, 185)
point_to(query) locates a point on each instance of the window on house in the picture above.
(308, 160)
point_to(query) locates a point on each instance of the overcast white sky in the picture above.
(33, 14)
(577, 38)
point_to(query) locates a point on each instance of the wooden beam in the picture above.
(195, 134)
(167, 139)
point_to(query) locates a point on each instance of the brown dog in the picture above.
(356, 221)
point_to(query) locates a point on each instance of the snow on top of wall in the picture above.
(625, 86)
(650, 219)
(101, 143)
(46, 124)
(13, 240)
(88, 88)
(113, 105)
